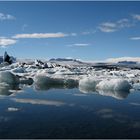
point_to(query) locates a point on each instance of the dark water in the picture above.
(68, 113)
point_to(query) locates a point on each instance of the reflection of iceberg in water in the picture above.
(115, 94)
(6, 89)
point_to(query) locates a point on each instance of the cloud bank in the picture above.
(115, 60)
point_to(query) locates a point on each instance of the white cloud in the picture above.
(104, 111)
(24, 27)
(88, 32)
(136, 16)
(4, 42)
(122, 23)
(73, 34)
(109, 24)
(135, 38)
(41, 35)
(78, 45)
(108, 27)
(115, 60)
(6, 17)
(115, 26)
(85, 33)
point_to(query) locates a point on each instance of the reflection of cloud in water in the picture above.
(39, 102)
(79, 94)
(136, 124)
(114, 94)
(107, 116)
(6, 89)
(135, 104)
(107, 113)
(105, 110)
(12, 109)
(4, 119)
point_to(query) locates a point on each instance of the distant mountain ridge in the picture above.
(65, 59)
(127, 62)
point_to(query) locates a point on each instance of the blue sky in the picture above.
(82, 30)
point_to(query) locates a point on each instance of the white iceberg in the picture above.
(9, 78)
(27, 81)
(88, 85)
(43, 82)
(114, 85)
(18, 70)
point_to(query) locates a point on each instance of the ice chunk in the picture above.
(43, 79)
(136, 86)
(64, 72)
(43, 82)
(70, 83)
(28, 81)
(88, 85)
(114, 85)
(9, 78)
(18, 70)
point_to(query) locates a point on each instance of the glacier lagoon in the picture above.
(68, 101)
(68, 113)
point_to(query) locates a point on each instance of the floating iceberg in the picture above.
(43, 82)
(9, 78)
(27, 81)
(114, 85)
(88, 85)
(18, 70)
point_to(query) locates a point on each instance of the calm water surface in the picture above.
(68, 113)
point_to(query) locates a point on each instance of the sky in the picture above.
(81, 30)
